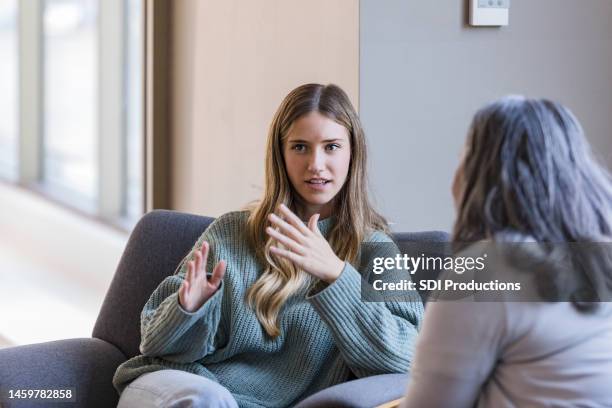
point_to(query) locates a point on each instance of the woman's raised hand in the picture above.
(197, 288)
(304, 245)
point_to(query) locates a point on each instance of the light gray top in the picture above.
(512, 354)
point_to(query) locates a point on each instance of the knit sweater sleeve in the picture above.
(167, 330)
(373, 337)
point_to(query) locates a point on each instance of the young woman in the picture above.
(527, 177)
(266, 308)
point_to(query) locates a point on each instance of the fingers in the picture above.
(197, 262)
(190, 271)
(292, 256)
(218, 274)
(200, 258)
(293, 219)
(288, 242)
(194, 271)
(184, 289)
(187, 282)
(287, 229)
(205, 250)
(183, 293)
(312, 223)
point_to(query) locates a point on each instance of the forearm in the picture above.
(371, 338)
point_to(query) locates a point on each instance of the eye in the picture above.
(332, 146)
(299, 147)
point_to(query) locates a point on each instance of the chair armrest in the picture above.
(86, 365)
(363, 392)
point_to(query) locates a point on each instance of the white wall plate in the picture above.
(489, 12)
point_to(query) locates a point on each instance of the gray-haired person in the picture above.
(527, 172)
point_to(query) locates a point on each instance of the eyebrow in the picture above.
(322, 141)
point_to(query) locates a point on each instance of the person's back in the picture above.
(527, 173)
(513, 354)
(551, 355)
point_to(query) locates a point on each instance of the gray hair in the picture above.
(529, 169)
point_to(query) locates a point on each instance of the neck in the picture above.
(308, 210)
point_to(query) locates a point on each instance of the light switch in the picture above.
(489, 12)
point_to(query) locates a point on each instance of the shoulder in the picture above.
(377, 244)
(230, 222)
(226, 229)
(376, 236)
(225, 233)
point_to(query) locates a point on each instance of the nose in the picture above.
(316, 161)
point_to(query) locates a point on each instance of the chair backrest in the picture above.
(158, 243)
(428, 244)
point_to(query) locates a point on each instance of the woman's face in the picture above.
(317, 154)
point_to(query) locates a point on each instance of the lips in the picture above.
(317, 181)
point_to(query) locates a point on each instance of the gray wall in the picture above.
(424, 72)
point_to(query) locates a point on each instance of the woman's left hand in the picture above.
(304, 245)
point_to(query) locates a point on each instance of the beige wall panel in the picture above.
(233, 62)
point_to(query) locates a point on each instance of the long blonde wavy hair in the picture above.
(354, 215)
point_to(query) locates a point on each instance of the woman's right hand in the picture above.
(197, 288)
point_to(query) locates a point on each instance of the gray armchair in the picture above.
(158, 243)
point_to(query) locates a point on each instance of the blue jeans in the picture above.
(175, 389)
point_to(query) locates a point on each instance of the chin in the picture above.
(317, 199)
(321, 203)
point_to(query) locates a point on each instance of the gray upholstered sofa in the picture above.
(156, 246)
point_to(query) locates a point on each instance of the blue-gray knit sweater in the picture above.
(324, 337)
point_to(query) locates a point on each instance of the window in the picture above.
(77, 132)
(70, 161)
(8, 89)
